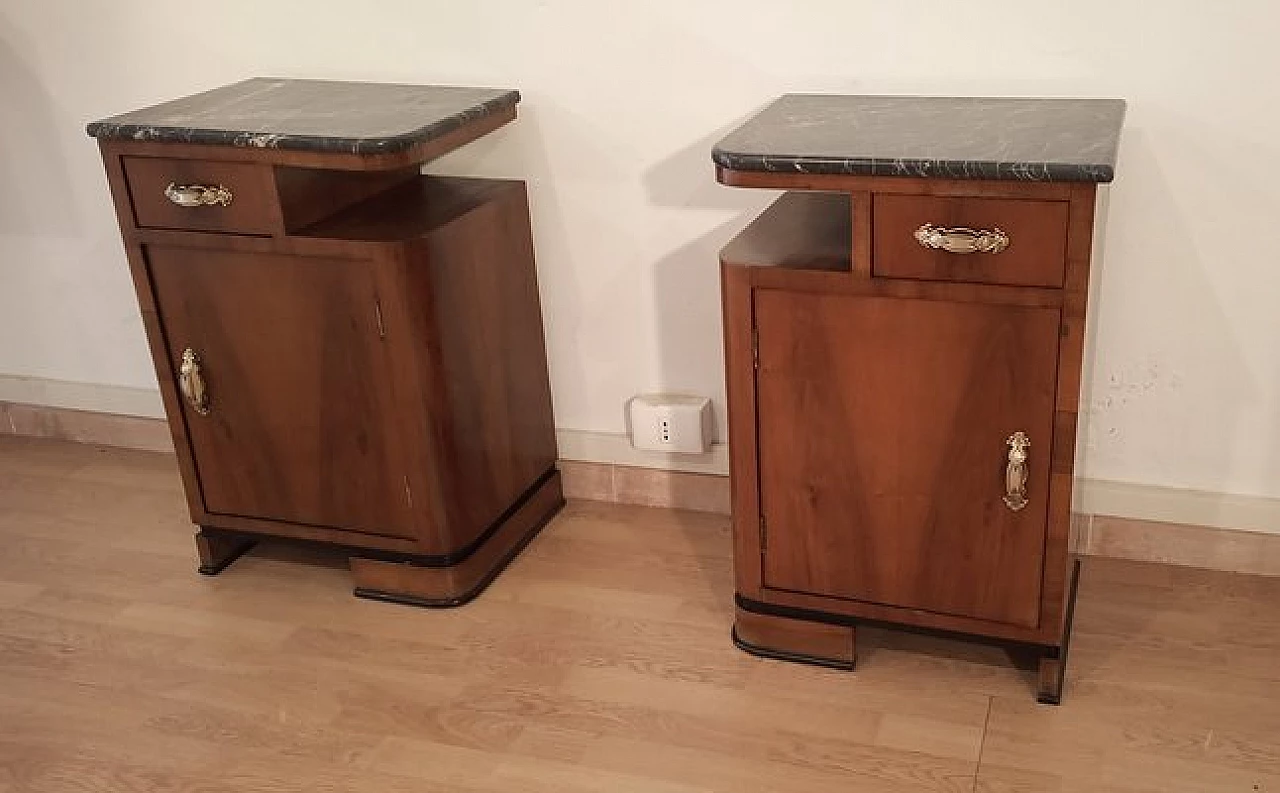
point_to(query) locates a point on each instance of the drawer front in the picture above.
(205, 196)
(977, 240)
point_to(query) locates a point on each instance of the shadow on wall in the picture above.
(686, 291)
(522, 151)
(687, 279)
(30, 154)
(578, 154)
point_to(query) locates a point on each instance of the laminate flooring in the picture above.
(600, 662)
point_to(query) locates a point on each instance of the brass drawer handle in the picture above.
(959, 239)
(191, 382)
(198, 195)
(1015, 473)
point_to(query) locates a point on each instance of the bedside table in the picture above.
(349, 352)
(904, 334)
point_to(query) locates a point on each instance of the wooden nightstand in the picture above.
(349, 352)
(904, 331)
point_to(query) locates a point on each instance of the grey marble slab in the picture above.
(310, 115)
(1041, 140)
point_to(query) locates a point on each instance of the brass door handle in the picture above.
(1015, 472)
(191, 382)
(197, 195)
(959, 239)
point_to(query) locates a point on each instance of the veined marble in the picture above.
(310, 115)
(1040, 140)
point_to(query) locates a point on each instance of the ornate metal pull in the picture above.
(198, 195)
(959, 239)
(191, 382)
(1015, 474)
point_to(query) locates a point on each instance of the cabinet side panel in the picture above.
(1075, 301)
(739, 359)
(419, 395)
(155, 333)
(489, 359)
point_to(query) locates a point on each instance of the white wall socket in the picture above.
(670, 423)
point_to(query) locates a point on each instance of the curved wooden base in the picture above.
(803, 637)
(794, 640)
(454, 585)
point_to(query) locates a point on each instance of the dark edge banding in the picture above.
(369, 593)
(783, 655)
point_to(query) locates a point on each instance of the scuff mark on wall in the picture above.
(1122, 389)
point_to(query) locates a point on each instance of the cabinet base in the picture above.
(453, 585)
(435, 581)
(1052, 672)
(824, 639)
(796, 640)
(218, 549)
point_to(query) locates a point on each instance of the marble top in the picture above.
(311, 115)
(1041, 140)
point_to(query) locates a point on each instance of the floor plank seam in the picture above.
(982, 744)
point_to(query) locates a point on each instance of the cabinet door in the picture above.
(882, 428)
(300, 424)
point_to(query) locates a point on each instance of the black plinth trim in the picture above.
(451, 559)
(791, 612)
(1066, 637)
(410, 600)
(245, 544)
(470, 594)
(783, 655)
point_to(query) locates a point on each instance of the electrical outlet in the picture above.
(670, 423)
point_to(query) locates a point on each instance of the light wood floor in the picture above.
(599, 662)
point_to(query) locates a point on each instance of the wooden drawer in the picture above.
(1036, 233)
(248, 205)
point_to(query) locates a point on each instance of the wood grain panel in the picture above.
(301, 427)
(471, 294)
(882, 429)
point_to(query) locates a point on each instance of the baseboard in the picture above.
(116, 400)
(649, 487)
(1114, 519)
(1183, 544)
(616, 449)
(1177, 505)
(82, 426)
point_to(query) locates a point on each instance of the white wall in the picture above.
(622, 102)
